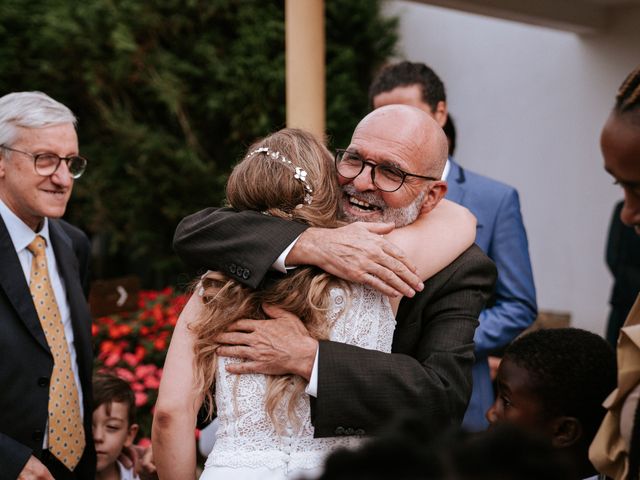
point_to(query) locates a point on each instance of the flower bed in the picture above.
(134, 345)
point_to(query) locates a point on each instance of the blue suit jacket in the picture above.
(501, 235)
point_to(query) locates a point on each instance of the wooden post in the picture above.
(305, 65)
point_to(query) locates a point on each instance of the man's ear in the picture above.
(131, 434)
(566, 431)
(440, 113)
(436, 192)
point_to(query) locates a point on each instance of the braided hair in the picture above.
(628, 97)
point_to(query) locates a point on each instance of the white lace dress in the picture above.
(247, 446)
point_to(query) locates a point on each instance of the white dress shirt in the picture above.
(447, 168)
(126, 473)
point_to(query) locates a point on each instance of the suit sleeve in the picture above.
(514, 308)
(429, 371)
(13, 457)
(244, 245)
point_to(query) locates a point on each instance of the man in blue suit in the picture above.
(500, 231)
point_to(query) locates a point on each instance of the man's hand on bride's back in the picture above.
(358, 252)
(276, 347)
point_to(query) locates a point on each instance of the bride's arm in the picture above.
(174, 420)
(436, 238)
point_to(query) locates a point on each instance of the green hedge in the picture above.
(168, 95)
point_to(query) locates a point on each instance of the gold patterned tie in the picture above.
(66, 432)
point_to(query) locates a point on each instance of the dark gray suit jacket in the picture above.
(359, 390)
(25, 359)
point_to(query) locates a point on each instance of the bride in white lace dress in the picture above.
(265, 428)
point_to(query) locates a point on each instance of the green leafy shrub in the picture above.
(168, 94)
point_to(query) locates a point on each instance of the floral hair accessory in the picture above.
(299, 173)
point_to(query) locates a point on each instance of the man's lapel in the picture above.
(68, 268)
(456, 182)
(458, 187)
(15, 286)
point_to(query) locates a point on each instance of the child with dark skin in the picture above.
(411, 451)
(553, 382)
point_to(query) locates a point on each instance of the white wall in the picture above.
(529, 103)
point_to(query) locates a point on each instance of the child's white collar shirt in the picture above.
(127, 473)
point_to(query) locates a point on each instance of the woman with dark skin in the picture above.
(615, 450)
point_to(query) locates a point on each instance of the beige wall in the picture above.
(529, 103)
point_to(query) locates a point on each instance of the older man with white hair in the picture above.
(45, 324)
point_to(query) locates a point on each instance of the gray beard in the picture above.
(400, 216)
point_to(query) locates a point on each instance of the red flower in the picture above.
(133, 346)
(144, 442)
(118, 331)
(151, 382)
(125, 374)
(180, 301)
(139, 353)
(160, 344)
(150, 294)
(137, 387)
(114, 331)
(142, 371)
(157, 312)
(106, 320)
(141, 398)
(107, 346)
(130, 359)
(112, 359)
(125, 330)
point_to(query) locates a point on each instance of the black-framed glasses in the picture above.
(46, 164)
(385, 177)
